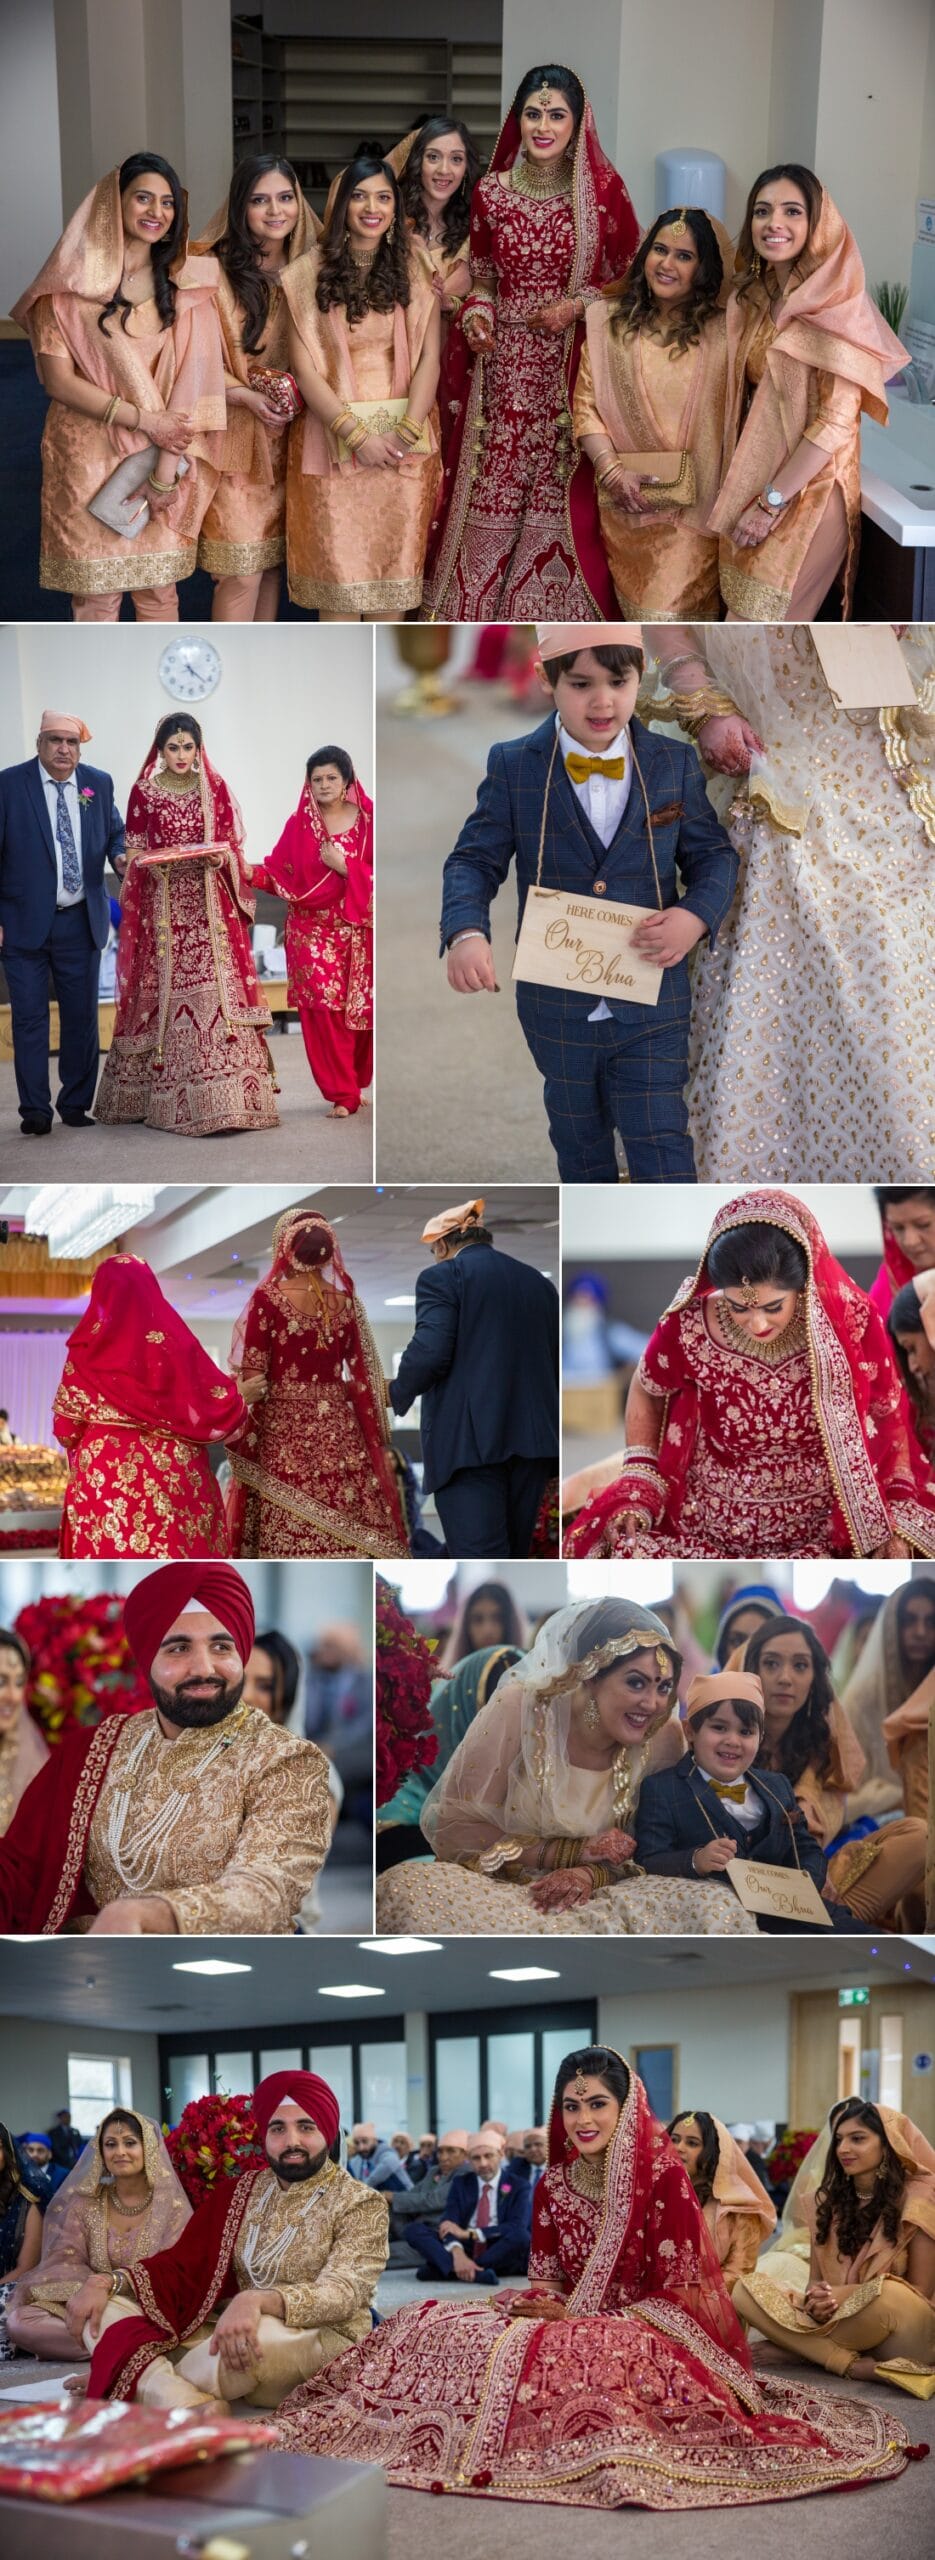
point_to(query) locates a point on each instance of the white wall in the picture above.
(869, 137)
(34, 2068)
(29, 144)
(636, 1225)
(734, 2055)
(285, 689)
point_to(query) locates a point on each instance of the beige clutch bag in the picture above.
(122, 503)
(668, 479)
(380, 417)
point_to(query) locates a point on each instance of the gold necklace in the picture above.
(178, 782)
(528, 179)
(587, 2176)
(131, 2212)
(782, 1346)
(364, 257)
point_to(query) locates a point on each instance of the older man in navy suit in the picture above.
(59, 827)
(485, 2230)
(593, 803)
(484, 1359)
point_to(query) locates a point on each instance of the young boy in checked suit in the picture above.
(625, 812)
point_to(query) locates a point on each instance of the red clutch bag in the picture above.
(63, 2453)
(280, 389)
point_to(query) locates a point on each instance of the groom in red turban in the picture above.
(291, 2249)
(194, 1815)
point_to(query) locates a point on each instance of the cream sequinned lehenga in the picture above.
(82, 2237)
(810, 1054)
(512, 1784)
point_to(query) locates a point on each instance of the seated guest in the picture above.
(486, 2229)
(887, 1702)
(747, 1610)
(402, 2145)
(293, 2251)
(911, 1328)
(734, 2204)
(375, 2163)
(23, 1749)
(39, 2169)
(808, 1739)
(514, 2153)
(536, 2151)
(120, 2203)
(714, 1805)
(20, 2223)
(427, 2155)
(870, 2297)
(488, 1616)
(422, 2210)
(65, 2142)
(194, 1815)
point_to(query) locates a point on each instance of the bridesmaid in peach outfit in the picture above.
(363, 462)
(263, 227)
(124, 329)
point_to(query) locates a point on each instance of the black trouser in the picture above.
(492, 1511)
(70, 958)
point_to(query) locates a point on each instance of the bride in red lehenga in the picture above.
(313, 1473)
(516, 535)
(621, 2378)
(138, 1406)
(188, 1051)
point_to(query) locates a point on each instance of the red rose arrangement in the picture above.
(785, 2159)
(547, 1533)
(82, 1668)
(214, 2138)
(405, 1736)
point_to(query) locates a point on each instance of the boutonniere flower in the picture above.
(85, 795)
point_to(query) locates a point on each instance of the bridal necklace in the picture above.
(130, 2212)
(178, 782)
(528, 179)
(780, 1346)
(587, 2176)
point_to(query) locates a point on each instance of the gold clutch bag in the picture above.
(667, 479)
(380, 417)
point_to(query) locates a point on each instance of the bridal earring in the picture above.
(591, 1717)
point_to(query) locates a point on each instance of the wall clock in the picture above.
(190, 668)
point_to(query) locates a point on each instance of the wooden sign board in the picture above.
(863, 665)
(582, 945)
(784, 1893)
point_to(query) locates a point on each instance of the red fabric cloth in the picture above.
(329, 926)
(177, 2291)
(606, 236)
(42, 1885)
(133, 1354)
(895, 1269)
(341, 1060)
(308, 2091)
(881, 1484)
(150, 1609)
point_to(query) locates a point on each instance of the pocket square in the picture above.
(663, 817)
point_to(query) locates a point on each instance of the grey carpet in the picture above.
(307, 1146)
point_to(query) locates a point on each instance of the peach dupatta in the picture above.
(327, 339)
(825, 325)
(247, 446)
(663, 565)
(879, 2256)
(84, 270)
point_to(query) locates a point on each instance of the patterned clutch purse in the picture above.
(119, 503)
(64, 2452)
(280, 389)
(666, 479)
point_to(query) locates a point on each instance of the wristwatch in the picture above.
(773, 499)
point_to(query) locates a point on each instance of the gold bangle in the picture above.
(355, 436)
(108, 414)
(165, 485)
(343, 423)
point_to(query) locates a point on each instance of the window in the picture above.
(384, 2098)
(188, 2077)
(457, 2082)
(367, 2071)
(233, 2074)
(503, 2063)
(97, 2082)
(656, 2067)
(511, 2077)
(335, 2063)
(891, 2062)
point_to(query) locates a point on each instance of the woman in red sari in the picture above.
(188, 1052)
(766, 1416)
(516, 535)
(313, 1471)
(323, 867)
(621, 2378)
(138, 1406)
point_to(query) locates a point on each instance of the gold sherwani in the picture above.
(228, 1825)
(322, 2244)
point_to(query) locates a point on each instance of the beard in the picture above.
(181, 1707)
(292, 2172)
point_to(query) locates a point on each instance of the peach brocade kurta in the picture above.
(79, 456)
(245, 523)
(356, 539)
(647, 398)
(758, 585)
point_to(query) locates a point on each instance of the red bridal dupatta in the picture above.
(641, 2394)
(606, 239)
(317, 896)
(177, 2290)
(881, 1485)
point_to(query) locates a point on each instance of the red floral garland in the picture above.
(546, 1539)
(214, 2138)
(18, 1541)
(405, 1737)
(785, 2159)
(82, 1668)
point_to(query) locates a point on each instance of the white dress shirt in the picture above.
(63, 897)
(602, 799)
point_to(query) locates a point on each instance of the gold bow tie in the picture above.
(578, 768)
(736, 1794)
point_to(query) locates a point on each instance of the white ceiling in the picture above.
(210, 1244)
(131, 1982)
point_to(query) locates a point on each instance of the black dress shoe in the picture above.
(77, 1119)
(33, 1127)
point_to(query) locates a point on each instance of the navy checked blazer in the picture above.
(670, 1824)
(688, 837)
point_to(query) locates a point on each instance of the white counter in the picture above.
(897, 480)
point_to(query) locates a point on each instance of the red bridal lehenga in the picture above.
(329, 942)
(313, 1473)
(804, 1452)
(516, 535)
(189, 1052)
(138, 1407)
(641, 2395)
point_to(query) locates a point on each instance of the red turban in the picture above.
(307, 2091)
(150, 1610)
